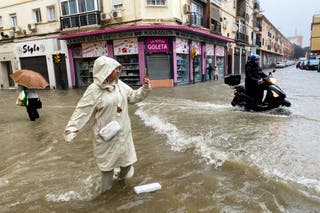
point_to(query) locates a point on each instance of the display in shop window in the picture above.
(182, 46)
(125, 46)
(94, 49)
(130, 69)
(183, 72)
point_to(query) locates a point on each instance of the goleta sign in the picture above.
(157, 44)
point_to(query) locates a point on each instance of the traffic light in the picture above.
(57, 58)
(194, 52)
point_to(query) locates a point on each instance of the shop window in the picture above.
(183, 71)
(51, 13)
(37, 15)
(130, 69)
(85, 71)
(156, 2)
(13, 20)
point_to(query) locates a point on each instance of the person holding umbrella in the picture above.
(33, 102)
(28, 82)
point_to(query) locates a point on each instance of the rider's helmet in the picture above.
(254, 58)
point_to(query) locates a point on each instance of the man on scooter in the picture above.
(254, 82)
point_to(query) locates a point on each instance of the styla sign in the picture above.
(157, 44)
(31, 48)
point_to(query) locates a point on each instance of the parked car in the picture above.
(313, 63)
(280, 64)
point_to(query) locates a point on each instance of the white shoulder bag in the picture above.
(110, 130)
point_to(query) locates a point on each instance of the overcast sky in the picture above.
(291, 16)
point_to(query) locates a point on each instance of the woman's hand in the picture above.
(146, 83)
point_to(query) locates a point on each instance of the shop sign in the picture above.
(209, 49)
(31, 49)
(127, 46)
(157, 44)
(182, 46)
(196, 45)
(94, 49)
(219, 51)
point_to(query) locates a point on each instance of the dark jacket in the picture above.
(253, 74)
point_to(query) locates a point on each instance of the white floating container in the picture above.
(151, 187)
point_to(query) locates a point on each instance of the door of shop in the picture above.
(159, 66)
(243, 61)
(9, 72)
(60, 72)
(237, 61)
(38, 64)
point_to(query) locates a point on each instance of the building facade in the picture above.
(238, 18)
(28, 40)
(315, 34)
(272, 45)
(172, 42)
(297, 40)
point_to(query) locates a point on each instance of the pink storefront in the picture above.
(169, 55)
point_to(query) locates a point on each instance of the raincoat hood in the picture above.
(102, 68)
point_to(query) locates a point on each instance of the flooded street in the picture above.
(207, 155)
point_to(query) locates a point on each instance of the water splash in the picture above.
(64, 197)
(181, 141)
(3, 182)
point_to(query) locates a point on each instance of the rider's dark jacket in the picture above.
(253, 75)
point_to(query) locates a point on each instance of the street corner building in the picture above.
(172, 42)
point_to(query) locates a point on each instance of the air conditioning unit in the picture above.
(16, 29)
(234, 28)
(187, 8)
(116, 14)
(105, 16)
(32, 27)
(11, 33)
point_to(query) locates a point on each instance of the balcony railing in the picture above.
(216, 28)
(258, 25)
(196, 19)
(80, 20)
(241, 13)
(241, 37)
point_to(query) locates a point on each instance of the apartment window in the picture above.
(37, 15)
(51, 13)
(116, 4)
(13, 20)
(1, 25)
(196, 13)
(156, 2)
(70, 7)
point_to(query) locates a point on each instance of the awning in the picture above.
(144, 27)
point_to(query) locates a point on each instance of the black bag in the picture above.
(39, 104)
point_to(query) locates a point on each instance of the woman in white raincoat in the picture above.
(106, 100)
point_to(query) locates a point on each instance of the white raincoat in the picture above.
(100, 102)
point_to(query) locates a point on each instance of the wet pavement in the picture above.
(207, 155)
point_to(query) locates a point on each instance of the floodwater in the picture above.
(207, 155)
